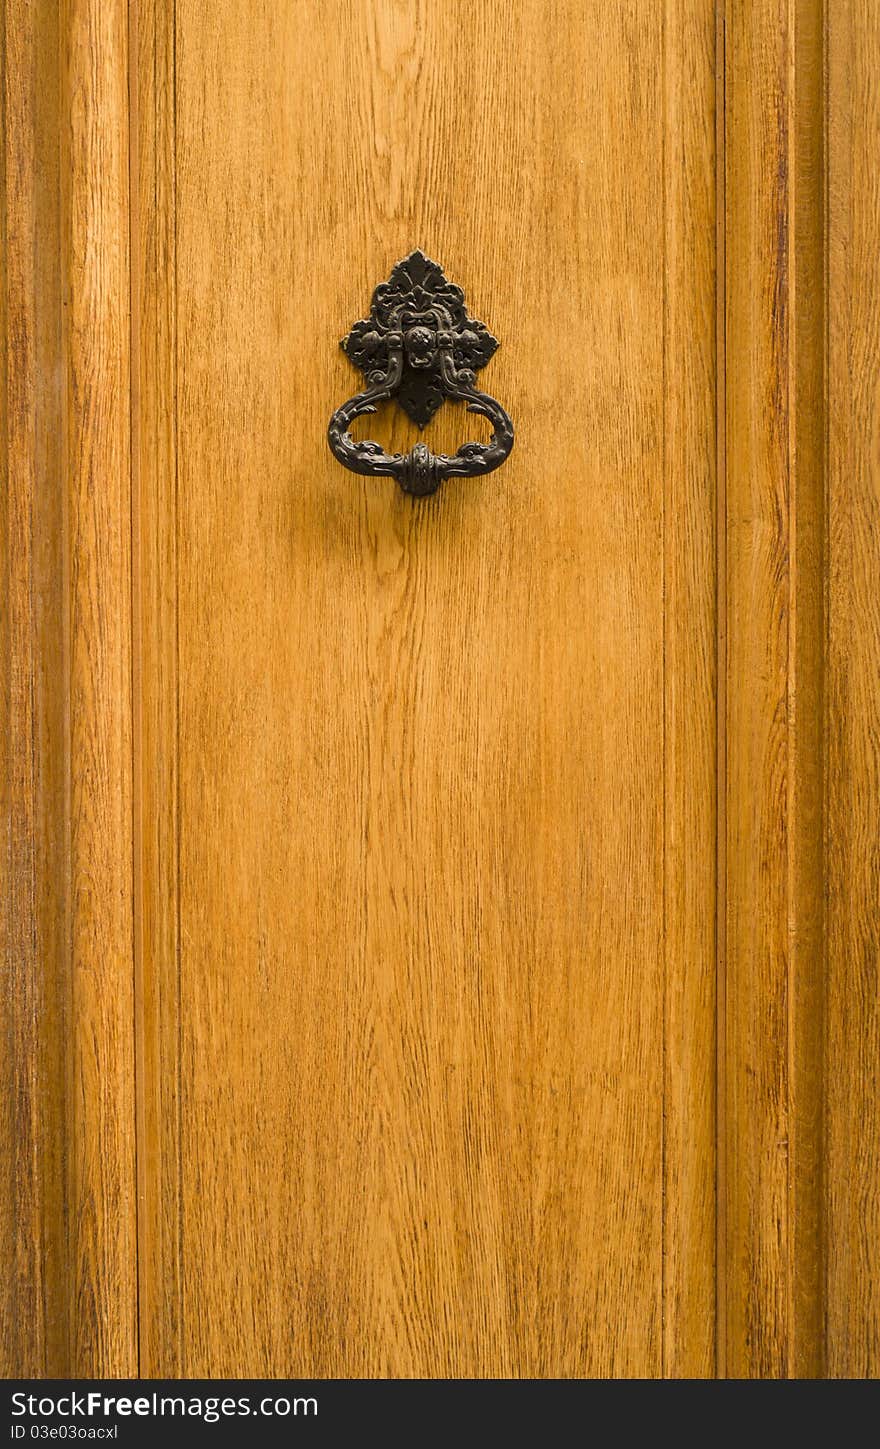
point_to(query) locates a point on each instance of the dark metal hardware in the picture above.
(419, 346)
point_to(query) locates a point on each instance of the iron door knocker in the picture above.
(419, 346)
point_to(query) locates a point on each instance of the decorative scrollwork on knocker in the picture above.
(420, 347)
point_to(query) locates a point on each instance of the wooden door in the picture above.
(441, 934)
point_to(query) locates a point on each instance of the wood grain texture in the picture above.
(690, 689)
(101, 1137)
(807, 323)
(770, 1028)
(33, 1296)
(852, 1117)
(426, 1002)
(68, 1084)
(154, 442)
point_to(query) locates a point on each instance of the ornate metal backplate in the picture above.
(419, 346)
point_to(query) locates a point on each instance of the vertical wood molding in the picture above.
(33, 1227)
(806, 684)
(155, 443)
(97, 462)
(689, 697)
(771, 1028)
(68, 923)
(852, 1039)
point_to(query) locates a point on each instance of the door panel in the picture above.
(443, 970)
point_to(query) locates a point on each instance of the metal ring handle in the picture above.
(419, 346)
